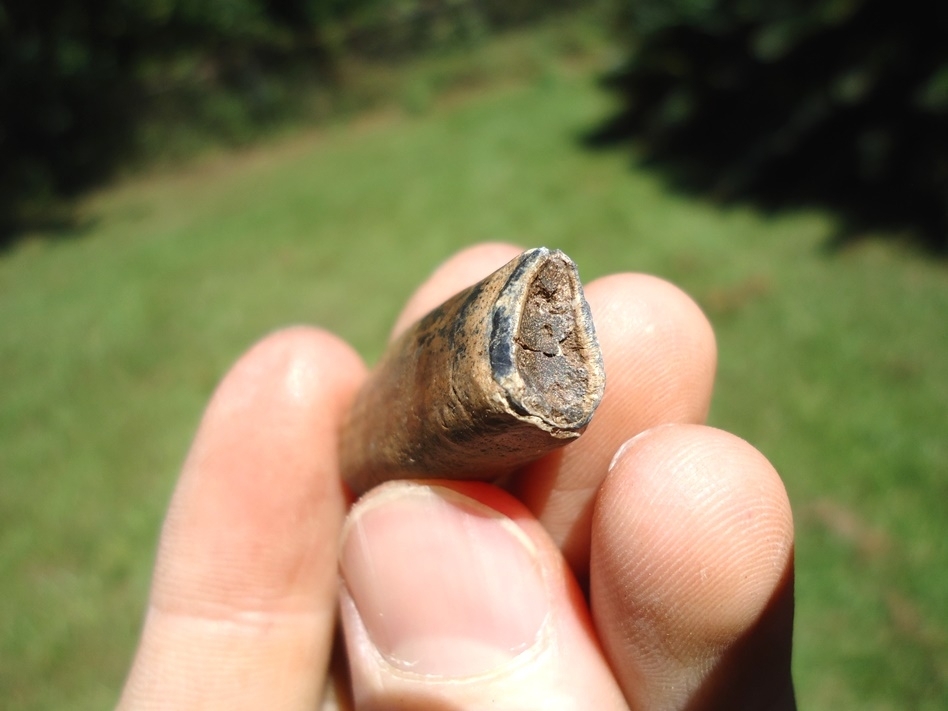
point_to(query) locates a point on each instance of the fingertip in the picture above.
(291, 364)
(692, 559)
(654, 332)
(242, 605)
(265, 455)
(703, 499)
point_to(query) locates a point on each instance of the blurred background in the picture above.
(179, 178)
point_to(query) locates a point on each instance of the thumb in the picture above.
(454, 597)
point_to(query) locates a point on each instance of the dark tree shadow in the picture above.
(837, 117)
(59, 221)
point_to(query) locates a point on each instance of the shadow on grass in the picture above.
(58, 222)
(836, 119)
(696, 170)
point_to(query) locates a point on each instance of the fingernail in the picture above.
(443, 585)
(629, 443)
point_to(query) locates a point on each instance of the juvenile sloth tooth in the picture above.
(500, 374)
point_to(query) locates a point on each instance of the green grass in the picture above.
(835, 365)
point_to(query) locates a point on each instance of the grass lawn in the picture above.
(834, 364)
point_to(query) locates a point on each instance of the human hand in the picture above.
(459, 595)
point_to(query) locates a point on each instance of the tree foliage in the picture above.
(79, 77)
(839, 102)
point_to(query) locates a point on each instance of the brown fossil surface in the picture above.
(496, 376)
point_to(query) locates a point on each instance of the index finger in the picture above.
(242, 606)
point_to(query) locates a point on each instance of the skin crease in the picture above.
(682, 542)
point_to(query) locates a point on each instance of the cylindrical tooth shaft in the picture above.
(495, 377)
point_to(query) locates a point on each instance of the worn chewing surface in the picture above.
(550, 357)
